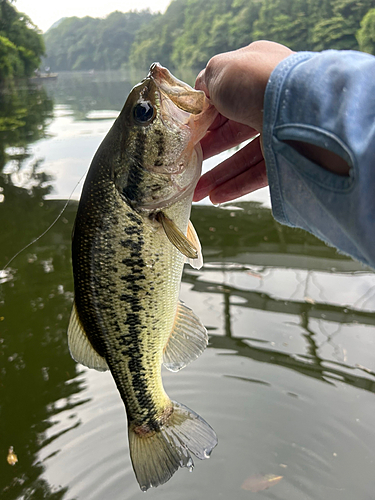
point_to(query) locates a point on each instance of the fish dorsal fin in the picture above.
(194, 240)
(80, 347)
(187, 341)
(176, 237)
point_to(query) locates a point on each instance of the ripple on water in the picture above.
(320, 440)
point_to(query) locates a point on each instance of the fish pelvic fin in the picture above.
(187, 341)
(194, 240)
(176, 237)
(80, 347)
(156, 455)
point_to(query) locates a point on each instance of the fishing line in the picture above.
(48, 228)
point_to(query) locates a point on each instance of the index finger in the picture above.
(225, 134)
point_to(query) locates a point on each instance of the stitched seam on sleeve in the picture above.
(274, 99)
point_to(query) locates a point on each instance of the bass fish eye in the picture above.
(143, 112)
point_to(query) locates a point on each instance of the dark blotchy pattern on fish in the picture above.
(127, 276)
(89, 260)
(132, 191)
(160, 145)
(133, 279)
(103, 292)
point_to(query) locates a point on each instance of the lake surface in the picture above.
(287, 381)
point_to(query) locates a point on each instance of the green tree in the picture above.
(90, 43)
(245, 13)
(21, 45)
(366, 34)
(208, 29)
(338, 31)
(284, 21)
(10, 64)
(156, 43)
(190, 32)
(334, 33)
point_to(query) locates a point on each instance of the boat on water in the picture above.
(39, 77)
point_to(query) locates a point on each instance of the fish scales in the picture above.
(131, 239)
(135, 280)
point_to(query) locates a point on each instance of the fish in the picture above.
(131, 238)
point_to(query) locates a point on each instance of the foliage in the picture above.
(284, 21)
(10, 63)
(190, 32)
(206, 27)
(334, 33)
(89, 43)
(338, 31)
(155, 43)
(311, 24)
(21, 43)
(366, 34)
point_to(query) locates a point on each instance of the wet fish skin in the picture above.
(127, 273)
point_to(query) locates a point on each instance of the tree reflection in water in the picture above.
(241, 238)
(252, 265)
(36, 371)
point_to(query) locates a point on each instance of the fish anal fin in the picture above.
(187, 341)
(157, 455)
(80, 347)
(194, 240)
(176, 237)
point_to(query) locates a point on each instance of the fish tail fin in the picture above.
(157, 455)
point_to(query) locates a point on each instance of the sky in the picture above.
(44, 13)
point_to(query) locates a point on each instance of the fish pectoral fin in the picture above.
(80, 347)
(187, 341)
(176, 237)
(194, 240)
(156, 456)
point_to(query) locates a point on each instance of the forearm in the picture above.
(326, 100)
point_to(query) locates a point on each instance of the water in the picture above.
(288, 379)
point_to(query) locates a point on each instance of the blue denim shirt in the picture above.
(326, 99)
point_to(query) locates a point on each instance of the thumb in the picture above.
(200, 82)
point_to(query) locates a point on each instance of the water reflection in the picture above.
(35, 366)
(24, 115)
(34, 362)
(39, 381)
(88, 92)
(291, 351)
(320, 321)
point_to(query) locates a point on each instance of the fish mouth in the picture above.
(182, 104)
(180, 93)
(183, 115)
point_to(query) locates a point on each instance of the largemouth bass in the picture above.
(131, 238)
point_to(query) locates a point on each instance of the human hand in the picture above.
(236, 82)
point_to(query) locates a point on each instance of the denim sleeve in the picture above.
(326, 99)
